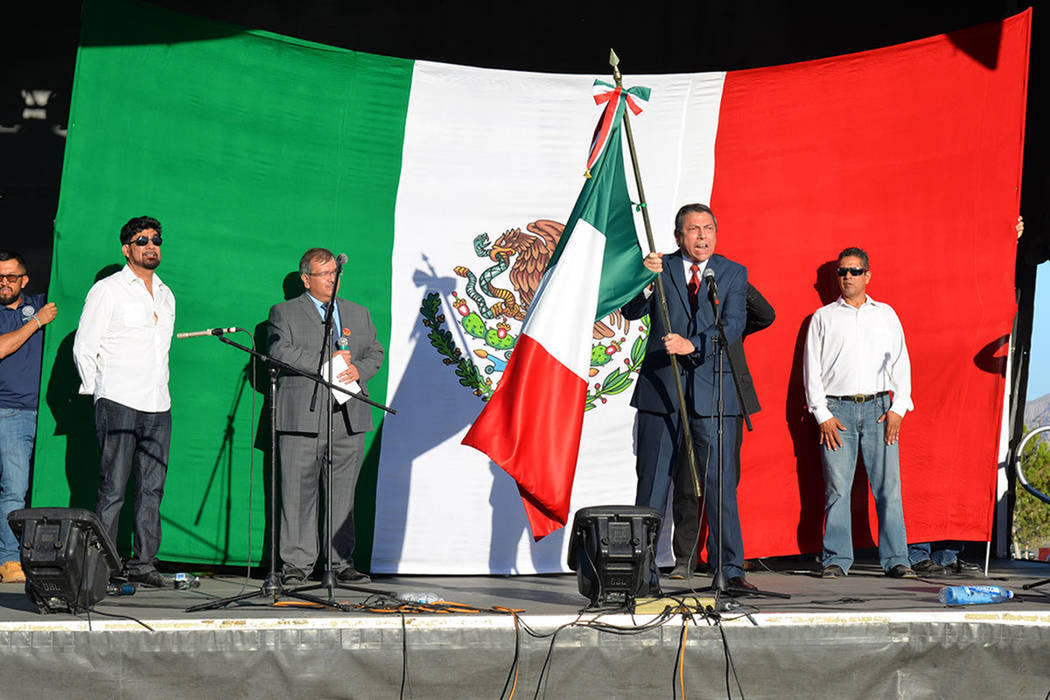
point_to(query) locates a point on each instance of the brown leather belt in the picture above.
(861, 398)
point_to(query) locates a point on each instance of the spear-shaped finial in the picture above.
(614, 61)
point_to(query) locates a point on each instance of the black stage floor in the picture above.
(866, 589)
(865, 635)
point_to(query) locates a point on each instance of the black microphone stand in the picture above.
(719, 586)
(272, 586)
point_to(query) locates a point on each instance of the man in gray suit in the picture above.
(295, 335)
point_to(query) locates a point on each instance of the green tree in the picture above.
(1031, 526)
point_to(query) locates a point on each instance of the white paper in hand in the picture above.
(338, 367)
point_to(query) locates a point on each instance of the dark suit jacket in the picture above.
(654, 391)
(760, 315)
(295, 334)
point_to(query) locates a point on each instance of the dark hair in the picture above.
(136, 226)
(12, 255)
(692, 209)
(321, 255)
(854, 252)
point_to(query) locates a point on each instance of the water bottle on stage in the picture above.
(970, 595)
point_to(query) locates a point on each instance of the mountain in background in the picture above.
(1037, 412)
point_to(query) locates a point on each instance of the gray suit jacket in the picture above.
(295, 329)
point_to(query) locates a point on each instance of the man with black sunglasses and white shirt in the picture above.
(858, 387)
(121, 352)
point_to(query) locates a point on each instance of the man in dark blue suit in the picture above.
(692, 338)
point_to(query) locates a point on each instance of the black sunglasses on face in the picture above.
(843, 271)
(12, 278)
(141, 241)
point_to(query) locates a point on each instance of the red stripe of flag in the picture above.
(531, 427)
(912, 152)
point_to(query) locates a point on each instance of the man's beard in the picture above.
(8, 296)
(151, 263)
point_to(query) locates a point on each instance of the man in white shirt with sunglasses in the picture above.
(858, 387)
(121, 352)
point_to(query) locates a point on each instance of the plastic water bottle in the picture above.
(182, 581)
(120, 589)
(971, 595)
(424, 597)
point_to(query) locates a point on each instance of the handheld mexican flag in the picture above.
(531, 426)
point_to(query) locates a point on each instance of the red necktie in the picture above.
(694, 288)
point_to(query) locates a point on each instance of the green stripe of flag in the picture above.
(249, 147)
(605, 204)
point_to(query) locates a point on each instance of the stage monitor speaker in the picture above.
(67, 557)
(612, 549)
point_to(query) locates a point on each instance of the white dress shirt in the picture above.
(855, 351)
(121, 346)
(687, 264)
(336, 321)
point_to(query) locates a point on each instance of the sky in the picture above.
(1039, 359)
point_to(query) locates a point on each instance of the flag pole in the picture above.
(687, 436)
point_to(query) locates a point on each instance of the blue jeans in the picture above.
(945, 554)
(882, 462)
(17, 430)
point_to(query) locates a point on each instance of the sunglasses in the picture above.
(843, 271)
(13, 277)
(141, 241)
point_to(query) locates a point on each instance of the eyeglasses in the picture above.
(12, 277)
(855, 271)
(141, 241)
(330, 273)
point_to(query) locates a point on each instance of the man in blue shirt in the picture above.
(22, 318)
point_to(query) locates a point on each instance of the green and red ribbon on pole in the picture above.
(614, 98)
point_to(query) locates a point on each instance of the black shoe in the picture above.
(351, 575)
(927, 567)
(741, 583)
(680, 572)
(150, 578)
(292, 576)
(963, 567)
(832, 571)
(900, 571)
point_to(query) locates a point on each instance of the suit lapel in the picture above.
(316, 320)
(344, 315)
(306, 304)
(705, 315)
(310, 308)
(675, 269)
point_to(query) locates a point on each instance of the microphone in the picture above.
(208, 331)
(341, 259)
(712, 289)
(709, 277)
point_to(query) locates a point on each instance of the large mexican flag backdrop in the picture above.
(448, 187)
